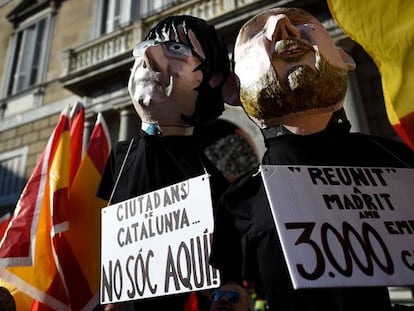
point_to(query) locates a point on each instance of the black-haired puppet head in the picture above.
(289, 70)
(178, 74)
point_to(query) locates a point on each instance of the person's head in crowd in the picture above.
(289, 69)
(231, 297)
(178, 73)
(7, 302)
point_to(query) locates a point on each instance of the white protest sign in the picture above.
(344, 226)
(158, 243)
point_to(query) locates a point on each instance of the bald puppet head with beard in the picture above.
(289, 71)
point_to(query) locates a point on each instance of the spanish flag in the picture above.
(385, 29)
(50, 249)
(77, 118)
(26, 248)
(23, 302)
(84, 224)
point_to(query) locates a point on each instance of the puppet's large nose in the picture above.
(154, 58)
(281, 28)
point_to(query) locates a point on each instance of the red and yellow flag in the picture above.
(85, 214)
(26, 248)
(51, 246)
(77, 117)
(385, 29)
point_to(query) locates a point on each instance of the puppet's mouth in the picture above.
(149, 77)
(149, 87)
(287, 49)
(154, 80)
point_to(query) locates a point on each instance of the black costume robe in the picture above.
(155, 162)
(246, 245)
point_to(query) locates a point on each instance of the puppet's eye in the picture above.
(178, 48)
(311, 26)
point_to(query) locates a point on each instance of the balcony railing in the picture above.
(86, 61)
(98, 51)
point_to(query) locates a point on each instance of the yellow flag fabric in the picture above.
(385, 29)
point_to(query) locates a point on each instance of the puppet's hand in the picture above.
(111, 307)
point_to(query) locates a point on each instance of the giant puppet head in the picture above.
(178, 74)
(289, 70)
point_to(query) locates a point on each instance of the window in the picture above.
(112, 15)
(29, 48)
(147, 7)
(12, 166)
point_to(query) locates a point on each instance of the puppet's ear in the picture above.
(215, 80)
(230, 90)
(347, 59)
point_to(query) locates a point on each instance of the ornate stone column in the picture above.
(129, 124)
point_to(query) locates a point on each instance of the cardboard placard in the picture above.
(344, 226)
(158, 243)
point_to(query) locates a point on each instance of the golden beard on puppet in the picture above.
(302, 90)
